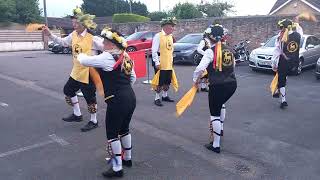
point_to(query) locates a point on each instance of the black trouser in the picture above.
(88, 90)
(119, 112)
(219, 95)
(283, 71)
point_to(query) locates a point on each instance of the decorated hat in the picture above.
(85, 19)
(285, 23)
(169, 20)
(115, 37)
(215, 32)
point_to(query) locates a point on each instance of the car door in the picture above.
(146, 40)
(316, 50)
(307, 55)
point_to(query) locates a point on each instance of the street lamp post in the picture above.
(130, 2)
(159, 5)
(45, 11)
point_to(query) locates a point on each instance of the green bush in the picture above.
(157, 16)
(124, 18)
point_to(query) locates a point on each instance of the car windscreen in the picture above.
(135, 36)
(271, 42)
(301, 42)
(192, 39)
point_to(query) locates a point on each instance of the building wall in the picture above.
(295, 7)
(257, 29)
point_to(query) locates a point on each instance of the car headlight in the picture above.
(253, 55)
(188, 51)
(318, 62)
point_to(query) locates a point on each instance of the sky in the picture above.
(60, 8)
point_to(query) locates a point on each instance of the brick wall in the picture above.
(254, 28)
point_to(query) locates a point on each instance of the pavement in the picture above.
(261, 141)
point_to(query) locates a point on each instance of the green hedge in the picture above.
(124, 18)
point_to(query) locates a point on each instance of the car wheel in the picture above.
(131, 49)
(65, 50)
(254, 69)
(196, 59)
(317, 77)
(298, 69)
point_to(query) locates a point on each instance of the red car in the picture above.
(140, 40)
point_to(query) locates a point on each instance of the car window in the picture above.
(192, 39)
(135, 36)
(309, 41)
(148, 36)
(316, 41)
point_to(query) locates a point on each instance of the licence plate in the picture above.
(266, 63)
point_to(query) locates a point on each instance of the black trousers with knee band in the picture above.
(119, 112)
(88, 90)
(219, 95)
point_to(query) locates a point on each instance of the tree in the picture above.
(139, 8)
(186, 11)
(216, 9)
(103, 8)
(157, 16)
(27, 11)
(8, 10)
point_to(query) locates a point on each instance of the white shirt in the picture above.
(156, 48)
(278, 50)
(205, 61)
(67, 41)
(202, 45)
(105, 61)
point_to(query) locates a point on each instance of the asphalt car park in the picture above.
(260, 141)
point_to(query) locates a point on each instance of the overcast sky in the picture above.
(59, 8)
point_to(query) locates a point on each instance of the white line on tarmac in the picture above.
(55, 139)
(2, 104)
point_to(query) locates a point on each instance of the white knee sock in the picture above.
(116, 149)
(93, 116)
(223, 115)
(76, 107)
(126, 145)
(203, 85)
(165, 94)
(216, 124)
(157, 96)
(283, 94)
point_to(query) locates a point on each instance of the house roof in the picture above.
(65, 23)
(315, 4)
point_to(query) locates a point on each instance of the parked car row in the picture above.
(58, 49)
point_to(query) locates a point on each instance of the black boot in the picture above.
(91, 125)
(127, 163)
(283, 105)
(73, 118)
(158, 102)
(211, 148)
(111, 173)
(167, 99)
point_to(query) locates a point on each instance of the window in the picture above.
(148, 36)
(271, 42)
(191, 38)
(135, 36)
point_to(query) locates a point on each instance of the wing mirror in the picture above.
(143, 39)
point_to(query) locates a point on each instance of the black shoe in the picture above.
(283, 105)
(211, 148)
(158, 102)
(91, 125)
(276, 95)
(221, 133)
(127, 163)
(111, 173)
(204, 90)
(73, 118)
(167, 99)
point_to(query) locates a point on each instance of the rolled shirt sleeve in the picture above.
(155, 49)
(204, 63)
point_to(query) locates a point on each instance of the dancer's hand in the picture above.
(46, 31)
(158, 67)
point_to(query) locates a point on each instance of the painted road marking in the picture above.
(2, 104)
(54, 139)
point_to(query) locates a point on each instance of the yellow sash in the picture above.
(274, 84)
(174, 81)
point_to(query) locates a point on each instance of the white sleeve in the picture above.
(201, 46)
(98, 43)
(276, 55)
(104, 61)
(155, 49)
(205, 61)
(133, 77)
(66, 41)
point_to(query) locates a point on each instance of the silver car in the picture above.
(260, 58)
